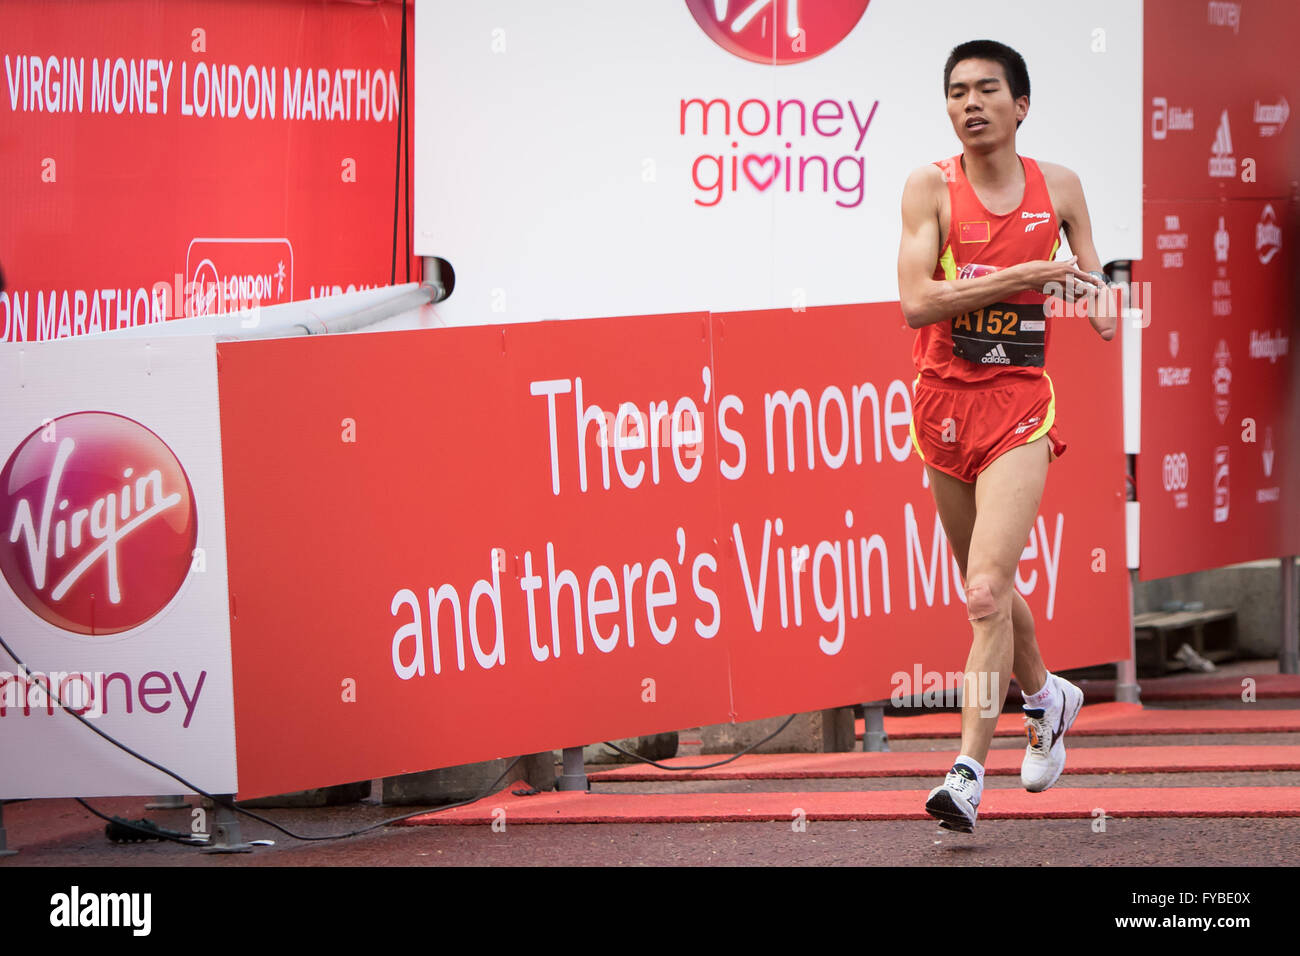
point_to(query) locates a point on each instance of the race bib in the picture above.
(1004, 333)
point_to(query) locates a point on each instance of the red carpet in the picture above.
(1112, 718)
(1057, 803)
(1061, 802)
(1201, 687)
(999, 763)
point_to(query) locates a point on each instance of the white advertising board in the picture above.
(113, 576)
(564, 165)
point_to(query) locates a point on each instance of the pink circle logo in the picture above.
(777, 31)
(99, 523)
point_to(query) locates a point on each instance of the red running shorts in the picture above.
(960, 429)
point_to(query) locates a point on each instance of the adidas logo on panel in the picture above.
(1222, 162)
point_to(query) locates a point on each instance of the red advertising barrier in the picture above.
(249, 148)
(383, 530)
(435, 559)
(1214, 478)
(1217, 477)
(901, 593)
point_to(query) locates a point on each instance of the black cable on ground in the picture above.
(147, 828)
(231, 805)
(705, 766)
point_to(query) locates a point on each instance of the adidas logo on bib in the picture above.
(996, 356)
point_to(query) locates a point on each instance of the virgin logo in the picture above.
(777, 31)
(99, 523)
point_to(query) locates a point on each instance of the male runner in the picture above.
(980, 233)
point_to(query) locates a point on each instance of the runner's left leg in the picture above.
(1007, 495)
(955, 500)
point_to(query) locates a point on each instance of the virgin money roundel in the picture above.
(777, 31)
(99, 523)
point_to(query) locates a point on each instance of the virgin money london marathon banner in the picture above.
(112, 569)
(1217, 477)
(672, 155)
(496, 540)
(182, 157)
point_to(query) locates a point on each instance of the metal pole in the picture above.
(4, 846)
(575, 771)
(438, 283)
(396, 305)
(1289, 655)
(226, 837)
(1131, 322)
(439, 274)
(169, 802)
(874, 738)
(1126, 685)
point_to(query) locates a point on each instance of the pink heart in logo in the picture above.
(762, 161)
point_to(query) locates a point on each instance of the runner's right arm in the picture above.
(926, 300)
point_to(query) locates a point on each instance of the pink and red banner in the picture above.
(422, 523)
(186, 157)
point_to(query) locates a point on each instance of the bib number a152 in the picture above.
(1004, 333)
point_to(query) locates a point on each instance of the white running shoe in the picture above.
(1046, 728)
(956, 802)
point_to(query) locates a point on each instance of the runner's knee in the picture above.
(984, 597)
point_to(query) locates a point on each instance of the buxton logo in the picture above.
(777, 31)
(1268, 235)
(99, 523)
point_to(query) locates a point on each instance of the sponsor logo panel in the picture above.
(99, 523)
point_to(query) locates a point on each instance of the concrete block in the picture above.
(654, 747)
(319, 797)
(820, 731)
(452, 784)
(1252, 589)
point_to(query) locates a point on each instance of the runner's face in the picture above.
(980, 106)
